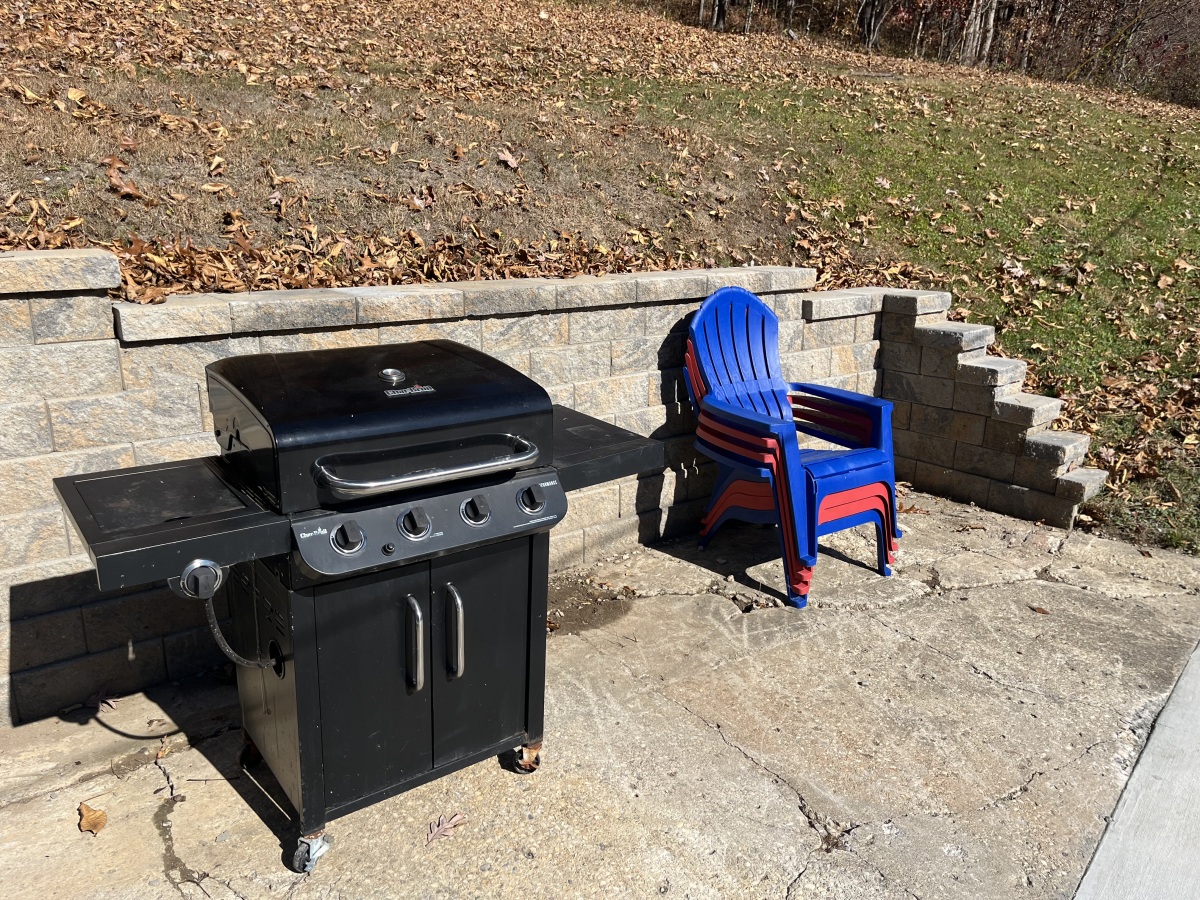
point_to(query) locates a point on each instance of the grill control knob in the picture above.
(415, 524)
(348, 537)
(532, 499)
(476, 511)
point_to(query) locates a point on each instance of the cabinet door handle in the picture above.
(418, 620)
(457, 637)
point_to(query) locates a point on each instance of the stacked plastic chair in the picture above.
(749, 422)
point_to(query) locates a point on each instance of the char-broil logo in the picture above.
(308, 534)
(414, 389)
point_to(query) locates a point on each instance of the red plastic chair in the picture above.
(749, 421)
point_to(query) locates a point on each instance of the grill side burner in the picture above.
(380, 518)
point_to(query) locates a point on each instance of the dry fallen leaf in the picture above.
(444, 827)
(507, 158)
(1040, 611)
(91, 819)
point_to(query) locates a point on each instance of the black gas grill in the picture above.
(379, 517)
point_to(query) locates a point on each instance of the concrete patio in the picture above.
(962, 729)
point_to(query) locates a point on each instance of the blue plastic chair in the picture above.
(749, 424)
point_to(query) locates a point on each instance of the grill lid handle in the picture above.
(524, 452)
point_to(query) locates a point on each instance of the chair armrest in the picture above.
(878, 411)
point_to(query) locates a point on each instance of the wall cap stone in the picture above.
(51, 271)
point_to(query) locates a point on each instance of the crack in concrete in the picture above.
(176, 871)
(1024, 788)
(831, 832)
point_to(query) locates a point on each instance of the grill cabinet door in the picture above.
(376, 723)
(486, 703)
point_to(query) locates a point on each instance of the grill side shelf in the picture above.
(146, 523)
(589, 451)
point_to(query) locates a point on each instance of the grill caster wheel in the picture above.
(528, 759)
(309, 850)
(250, 756)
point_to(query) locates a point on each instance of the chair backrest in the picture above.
(733, 353)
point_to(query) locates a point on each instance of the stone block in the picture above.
(947, 423)
(915, 303)
(668, 420)
(645, 493)
(606, 325)
(791, 336)
(656, 287)
(867, 328)
(1081, 484)
(669, 318)
(901, 414)
(895, 327)
(586, 291)
(28, 480)
(680, 453)
(647, 354)
(954, 336)
(869, 383)
(961, 486)
(992, 370)
(1036, 474)
(48, 271)
(821, 305)
(984, 461)
(150, 365)
(405, 303)
(828, 333)
(305, 341)
(187, 446)
(610, 538)
(677, 521)
(196, 315)
(905, 469)
(810, 365)
(562, 365)
(192, 651)
(44, 587)
(1034, 506)
(39, 640)
(290, 310)
(918, 389)
(1005, 436)
(609, 396)
(841, 382)
(791, 278)
(16, 322)
(1027, 409)
(1059, 448)
(59, 370)
(566, 548)
(898, 356)
(122, 670)
(593, 506)
(467, 332)
(24, 429)
(756, 279)
(167, 411)
(33, 536)
(518, 359)
(936, 451)
(980, 399)
(507, 297)
(944, 363)
(71, 317)
(667, 386)
(116, 621)
(847, 359)
(562, 394)
(525, 332)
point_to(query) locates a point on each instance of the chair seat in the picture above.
(828, 463)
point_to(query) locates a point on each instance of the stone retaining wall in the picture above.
(88, 384)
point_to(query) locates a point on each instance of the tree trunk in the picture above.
(700, 19)
(916, 50)
(720, 14)
(749, 16)
(791, 8)
(989, 32)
